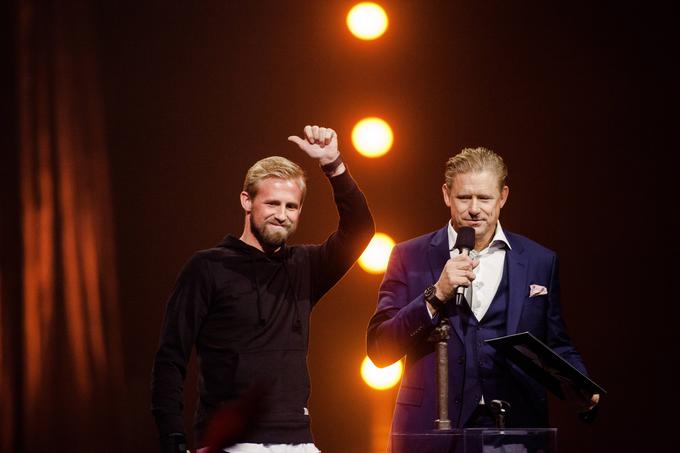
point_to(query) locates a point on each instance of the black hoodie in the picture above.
(247, 313)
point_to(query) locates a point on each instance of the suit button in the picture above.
(457, 400)
(461, 360)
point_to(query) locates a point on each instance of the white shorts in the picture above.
(270, 448)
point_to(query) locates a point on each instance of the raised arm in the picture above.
(334, 257)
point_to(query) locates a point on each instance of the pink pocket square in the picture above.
(537, 290)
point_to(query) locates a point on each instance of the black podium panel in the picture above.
(477, 440)
(450, 441)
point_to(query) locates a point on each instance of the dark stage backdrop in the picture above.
(194, 92)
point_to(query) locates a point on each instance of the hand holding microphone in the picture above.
(458, 272)
(464, 243)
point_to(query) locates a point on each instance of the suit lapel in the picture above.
(439, 254)
(517, 284)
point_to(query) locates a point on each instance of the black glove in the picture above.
(174, 443)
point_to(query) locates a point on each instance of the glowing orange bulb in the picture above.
(367, 21)
(381, 378)
(377, 254)
(372, 137)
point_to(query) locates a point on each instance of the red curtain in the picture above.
(61, 393)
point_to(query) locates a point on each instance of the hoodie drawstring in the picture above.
(256, 285)
(297, 323)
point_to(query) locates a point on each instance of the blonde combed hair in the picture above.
(476, 160)
(274, 167)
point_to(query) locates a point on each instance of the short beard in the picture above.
(270, 240)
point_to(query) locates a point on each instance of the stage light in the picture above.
(377, 254)
(372, 137)
(381, 378)
(367, 21)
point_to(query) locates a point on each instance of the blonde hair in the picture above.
(273, 167)
(476, 160)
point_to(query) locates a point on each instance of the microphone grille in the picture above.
(465, 239)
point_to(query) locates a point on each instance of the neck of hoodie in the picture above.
(253, 239)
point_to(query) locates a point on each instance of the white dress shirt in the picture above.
(488, 273)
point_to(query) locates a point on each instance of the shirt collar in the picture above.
(499, 240)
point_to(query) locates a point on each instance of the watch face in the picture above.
(429, 292)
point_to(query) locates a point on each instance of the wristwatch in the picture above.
(430, 296)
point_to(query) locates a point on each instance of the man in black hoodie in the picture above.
(245, 305)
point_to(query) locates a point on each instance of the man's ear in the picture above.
(246, 201)
(447, 195)
(504, 195)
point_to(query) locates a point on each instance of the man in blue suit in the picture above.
(511, 285)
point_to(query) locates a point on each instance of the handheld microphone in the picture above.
(464, 243)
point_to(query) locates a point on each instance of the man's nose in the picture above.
(473, 208)
(280, 214)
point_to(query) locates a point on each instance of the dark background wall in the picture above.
(195, 92)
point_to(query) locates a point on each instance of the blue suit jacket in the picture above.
(401, 326)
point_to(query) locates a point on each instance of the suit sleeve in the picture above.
(330, 260)
(185, 311)
(398, 322)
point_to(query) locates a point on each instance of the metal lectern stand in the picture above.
(440, 336)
